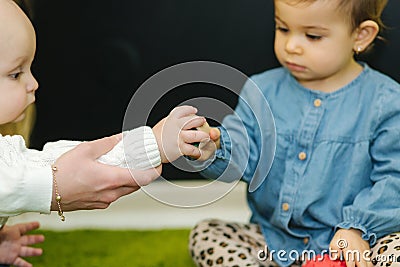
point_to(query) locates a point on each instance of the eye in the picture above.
(15, 76)
(314, 37)
(282, 29)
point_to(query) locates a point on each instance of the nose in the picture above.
(32, 84)
(293, 45)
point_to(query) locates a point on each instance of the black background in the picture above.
(93, 55)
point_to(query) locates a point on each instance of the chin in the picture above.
(20, 118)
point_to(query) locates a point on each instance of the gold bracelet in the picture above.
(58, 196)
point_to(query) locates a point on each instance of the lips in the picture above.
(295, 67)
(31, 99)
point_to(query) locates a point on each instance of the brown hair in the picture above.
(358, 10)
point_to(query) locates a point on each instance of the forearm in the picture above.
(26, 181)
(138, 150)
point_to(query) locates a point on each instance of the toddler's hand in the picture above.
(209, 146)
(349, 244)
(175, 135)
(15, 244)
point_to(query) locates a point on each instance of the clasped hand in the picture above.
(349, 245)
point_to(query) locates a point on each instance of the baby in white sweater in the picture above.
(70, 175)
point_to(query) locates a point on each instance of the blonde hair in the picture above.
(24, 127)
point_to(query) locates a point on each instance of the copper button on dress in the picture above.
(302, 156)
(317, 103)
(285, 206)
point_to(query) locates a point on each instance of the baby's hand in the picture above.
(15, 243)
(175, 135)
(349, 244)
(209, 146)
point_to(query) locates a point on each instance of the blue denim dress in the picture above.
(321, 161)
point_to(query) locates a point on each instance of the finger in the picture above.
(114, 177)
(333, 247)
(194, 136)
(369, 263)
(145, 177)
(361, 263)
(101, 146)
(215, 134)
(205, 128)
(349, 257)
(109, 177)
(19, 262)
(193, 122)
(30, 251)
(31, 239)
(91, 206)
(125, 190)
(26, 227)
(190, 150)
(105, 198)
(139, 178)
(183, 111)
(334, 252)
(350, 262)
(363, 259)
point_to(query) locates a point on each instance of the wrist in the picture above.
(56, 194)
(141, 148)
(215, 135)
(356, 231)
(218, 143)
(157, 137)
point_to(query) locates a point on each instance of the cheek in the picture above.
(329, 54)
(11, 108)
(278, 48)
(324, 61)
(321, 56)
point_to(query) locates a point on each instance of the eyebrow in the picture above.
(316, 28)
(20, 59)
(16, 64)
(278, 19)
(311, 27)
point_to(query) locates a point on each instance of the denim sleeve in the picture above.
(245, 136)
(376, 209)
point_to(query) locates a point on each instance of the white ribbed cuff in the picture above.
(38, 191)
(138, 150)
(141, 149)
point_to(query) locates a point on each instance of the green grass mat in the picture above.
(95, 248)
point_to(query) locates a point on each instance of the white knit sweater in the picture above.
(25, 174)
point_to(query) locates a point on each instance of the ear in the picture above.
(365, 35)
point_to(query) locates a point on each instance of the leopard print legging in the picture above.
(218, 243)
